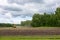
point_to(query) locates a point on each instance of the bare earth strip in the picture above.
(30, 31)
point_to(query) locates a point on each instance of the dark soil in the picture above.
(30, 32)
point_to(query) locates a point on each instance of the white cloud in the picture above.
(13, 11)
(3, 2)
(8, 15)
(31, 6)
(49, 1)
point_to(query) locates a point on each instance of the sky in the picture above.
(15, 11)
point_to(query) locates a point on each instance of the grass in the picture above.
(28, 28)
(46, 37)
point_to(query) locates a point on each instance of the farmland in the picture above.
(30, 33)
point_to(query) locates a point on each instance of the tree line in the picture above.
(25, 23)
(46, 19)
(6, 25)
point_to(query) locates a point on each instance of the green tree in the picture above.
(57, 13)
(36, 20)
(6, 25)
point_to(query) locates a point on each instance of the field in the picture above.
(26, 33)
(46, 37)
(30, 31)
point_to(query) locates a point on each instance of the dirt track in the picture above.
(29, 31)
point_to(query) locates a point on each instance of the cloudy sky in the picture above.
(15, 11)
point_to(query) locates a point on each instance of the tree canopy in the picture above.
(46, 19)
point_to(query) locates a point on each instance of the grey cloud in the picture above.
(25, 9)
(47, 10)
(50, 5)
(25, 1)
(10, 8)
(3, 12)
(22, 14)
(17, 11)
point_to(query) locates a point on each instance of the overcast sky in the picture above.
(15, 11)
